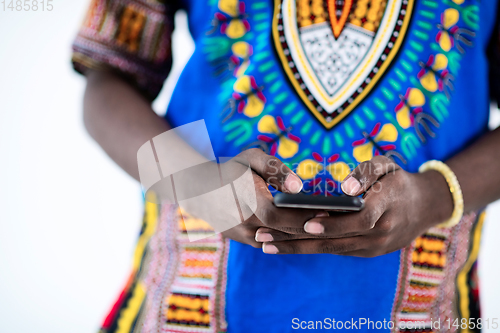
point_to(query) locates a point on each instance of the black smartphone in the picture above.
(345, 204)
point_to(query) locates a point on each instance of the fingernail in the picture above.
(293, 183)
(269, 249)
(263, 237)
(321, 214)
(314, 228)
(351, 186)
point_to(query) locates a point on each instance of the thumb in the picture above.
(273, 171)
(366, 174)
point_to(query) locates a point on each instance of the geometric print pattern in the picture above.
(176, 285)
(179, 286)
(130, 37)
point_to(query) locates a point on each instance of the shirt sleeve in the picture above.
(131, 37)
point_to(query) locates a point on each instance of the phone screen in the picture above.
(344, 203)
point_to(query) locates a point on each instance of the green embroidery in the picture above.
(297, 117)
(289, 108)
(431, 4)
(349, 131)
(417, 46)
(261, 16)
(315, 137)
(439, 106)
(454, 61)
(369, 113)
(276, 86)
(359, 121)
(424, 25)
(338, 139)
(427, 14)
(242, 129)
(413, 57)
(401, 75)
(388, 94)
(270, 77)
(409, 141)
(305, 129)
(259, 5)
(470, 15)
(326, 146)
(280, 98)
(264, 67)
(379, 103)
(261, 55)
(395, 85)
(262, 26)
(421, 35)
(347, 158)
(406, 66)
(302, 155)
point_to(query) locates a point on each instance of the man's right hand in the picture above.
(269, 170)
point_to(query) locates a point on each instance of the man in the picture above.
(310, 88)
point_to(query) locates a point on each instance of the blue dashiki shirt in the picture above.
(320, 83)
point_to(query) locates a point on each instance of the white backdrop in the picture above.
(68, 216)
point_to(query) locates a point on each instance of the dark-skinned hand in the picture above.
(399, 206)
(266, 170)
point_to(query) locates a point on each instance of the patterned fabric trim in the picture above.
(122, 316)
(426, 284)
(180, 285)
(132, 37)
(467, 281)
(195, 300)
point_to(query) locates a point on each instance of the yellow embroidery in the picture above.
(428, 80)
(254, 105)
(415, 99)
(286, 147)
(364, 152)
(308, 169)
